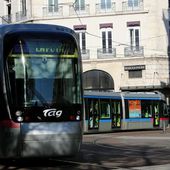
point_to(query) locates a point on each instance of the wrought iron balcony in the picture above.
(17, 17)
(107, 9)
(85, 54)
(79, 10)
(52, 10)
(136, 6)
(106, 53)
(134, 51)
(21, 15)
(6, 19)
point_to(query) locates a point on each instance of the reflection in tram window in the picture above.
(116, 113)
(146, 109)
(105, 108)
(93, 113)
(156, 113)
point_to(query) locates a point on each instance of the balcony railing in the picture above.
(137, 6)
(106, 53)
(110, 9)
(52, 10)
(21, 16)
(17, 17)
(84, 10)
(6, 19)
(135, 51)
(85, 54)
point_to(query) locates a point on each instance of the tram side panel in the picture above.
(9, 140)
(143, 114)
(135, 117)
(102, 114)
(9, 131)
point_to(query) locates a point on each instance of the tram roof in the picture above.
(143, 95)
(100, 94)
(126, 95)
(6, 28)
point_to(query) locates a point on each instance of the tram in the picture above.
(110, 111)
(41, 91)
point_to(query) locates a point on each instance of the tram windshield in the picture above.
(44, 71)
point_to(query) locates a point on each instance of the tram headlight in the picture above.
(77, 117)
(18, 114)
(19, 119)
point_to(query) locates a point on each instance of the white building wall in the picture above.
(153, 37)
(2, 11)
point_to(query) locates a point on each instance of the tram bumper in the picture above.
(50, 139)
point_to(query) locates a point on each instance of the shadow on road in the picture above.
(97, 157)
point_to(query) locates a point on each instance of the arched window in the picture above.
(97, 80)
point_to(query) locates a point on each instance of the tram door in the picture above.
(156, 114)
(93, 117)
(116, 113)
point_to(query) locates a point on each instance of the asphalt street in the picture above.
(132, 150)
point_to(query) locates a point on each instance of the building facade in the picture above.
(124, 43)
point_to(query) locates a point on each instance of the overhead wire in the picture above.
(97, 36)
(119, 43)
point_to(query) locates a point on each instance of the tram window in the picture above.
(156, 109)
(36, 64)
(156, 112)
(146, 109)
(93, 110)
(105, 108)
(116, 113)
(116, 107)
(164, 110)
(44, 68)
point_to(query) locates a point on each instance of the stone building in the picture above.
(124, 43)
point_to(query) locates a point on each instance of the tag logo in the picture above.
(52, 113)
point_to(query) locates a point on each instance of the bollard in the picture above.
(164, 126)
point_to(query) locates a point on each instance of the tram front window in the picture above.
(44, 72)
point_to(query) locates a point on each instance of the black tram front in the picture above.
(42, 93)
